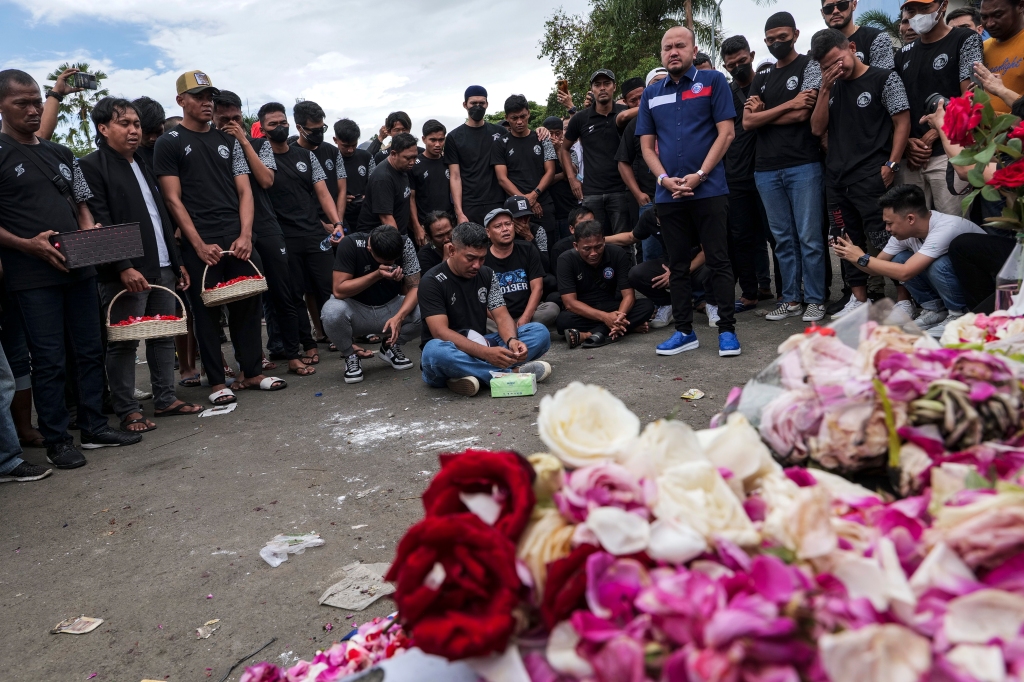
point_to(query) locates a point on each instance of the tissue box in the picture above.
(512, 384)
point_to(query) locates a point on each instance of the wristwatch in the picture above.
(702, 175)
(893, 166)
(56, 95)
(863, 260)
(662, 177)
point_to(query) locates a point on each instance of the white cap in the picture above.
(654, 73)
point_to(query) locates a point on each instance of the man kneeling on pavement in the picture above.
(456, 298)
(376, 276)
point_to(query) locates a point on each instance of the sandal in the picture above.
(267, 384)
(363, 353)
(572, 337)
(224, 396)
(597, 340)
(126, 422)
(190, 382)
(742, 307)
(228, 372)
(303, 371)
(267, 364)
(332, 347)
(178, 410)
(313, 359)
(371, 338)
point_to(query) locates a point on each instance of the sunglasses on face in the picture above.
(321, 129)
(842, 6)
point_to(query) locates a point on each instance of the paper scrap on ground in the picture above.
(277, 550)
(221, 409)
(79, 625)
(362, 585)
(209, 627)
(693, 394)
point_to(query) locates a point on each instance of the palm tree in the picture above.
(877, 18)
(77, 107)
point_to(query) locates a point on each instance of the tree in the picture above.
(537, 115)
(877, 18)
(76, 109)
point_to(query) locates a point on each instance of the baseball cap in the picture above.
(194, 82)
(518, 206)
(654, 73)
(494, 213)
(603, 72)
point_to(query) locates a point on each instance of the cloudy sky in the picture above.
(356, 59)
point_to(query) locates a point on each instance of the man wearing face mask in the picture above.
(467, 151)
(941, 62)
(788, 168)
(309, 119)
(874, 47)
(358, 165)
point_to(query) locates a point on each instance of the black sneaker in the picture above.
(394, 356)
(835, 306)
(353, 370)
(25, 472)
(65, 455)
(108, 439)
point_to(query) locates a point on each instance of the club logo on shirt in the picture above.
(863, 99)
(406, 193)
(860, 55)
(367, 268)
(511, 152)
(511, 282)
(940, 62)
(19, 169)
(447, 175)
(65, 171)
(188, 149)
(495, 136)
(453, 299)
(328, 164)
(590, 129)
(426, 174)
(609, 273)
(536, 149)
(696, 87)
(173, 133)
(301, 167)
(792, 82)
(223, 151)
(481, 293)
(362, 170)
(283, 251)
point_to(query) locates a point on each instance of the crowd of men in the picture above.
(482, 240)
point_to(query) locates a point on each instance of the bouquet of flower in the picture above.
(1000, 333)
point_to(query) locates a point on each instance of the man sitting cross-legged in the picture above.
(376, 277)
(456, 297)
(593, 279)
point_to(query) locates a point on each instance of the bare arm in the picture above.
(342, 202)
(264, 176)
(388, 219)
(819, 115)
(547, 178)
(621, 239)
(795, 110)
(39, 246)
(323, 195)
(501, 172)
(566, 160)
(455, 184)
(170, 187)
(623, 118)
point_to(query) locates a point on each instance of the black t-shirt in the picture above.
(523, 158)
(739, 158)
(358, 168)
(648, 226)
(600, 138)
(874, 47)
(558, 248)
(599, 285)
(561, 194)
(355, 258)
(464, 300)
(292, 195)
(428, 256)
(629, 152)
(328, 156)
(146, 154)
(937, 67)
(792, 144)
(387, 193)
(471, 149)
(430, 180)
(380, 155)
(30, 203)
(206, 165)
(515, 273)
(264, 220)
(860, 125)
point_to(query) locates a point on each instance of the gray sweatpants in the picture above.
(344, 319)
(546, 314)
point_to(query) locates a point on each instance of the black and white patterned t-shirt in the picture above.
(791, 144)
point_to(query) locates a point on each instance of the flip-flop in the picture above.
(178, 410)
(313, 359)
(572, 337)
(216, 396)
(332, 347)
(125, 423)
(742, 307)
(190, 382)
(304, 371)
(364, 354)
(598, 339)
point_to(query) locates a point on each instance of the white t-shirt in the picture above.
(154, 216)
(942, 229)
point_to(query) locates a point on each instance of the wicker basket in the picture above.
(149, 329)
(233, 292)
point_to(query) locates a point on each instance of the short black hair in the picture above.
(971, 12)
(588, 228)
(435, 216)
(104, 111)
(151, 114)
(824, 40)
(387, 242)
(398, 117)
(307, 111)
(701, 58)
(471, 236)
(269, 108)
(11, 77)
(904, 199)
(734, 44)
(433, 126)
(575, 213)
(632, 84)
(346, 130)
(226, 98)
(401, 142)
(516, 103)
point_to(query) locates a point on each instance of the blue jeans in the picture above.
(47, 312)
(441, 360)
(792, 199)
(651, 247)
(937, 287)
(9, 447)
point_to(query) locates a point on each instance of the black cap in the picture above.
(603, 72)
(553, 123)
(631, 84)
(518, 206)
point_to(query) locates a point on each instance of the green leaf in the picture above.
(964, 158)
(1002, 123)
(787, 555)
(985, 155)
(965, 205)
(974, 481)
(990, 193)
(1015, 144)
(981, 97)
(975, 177)
(1009, 151)
(890, 424)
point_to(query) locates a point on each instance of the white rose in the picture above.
(584, 424)
(663, 444)
(799, 518)
(618, 531)
(695, 494)
(981, 616)
(880, 653)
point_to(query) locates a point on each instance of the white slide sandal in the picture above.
(223, 393)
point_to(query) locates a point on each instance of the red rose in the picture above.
(566, 587)
(1016, 133)
(1009, 177)
(962, 117)
(456, 586)
(482, 471)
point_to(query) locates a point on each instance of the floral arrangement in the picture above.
(236, 280)
(997, 333)
(146, 318)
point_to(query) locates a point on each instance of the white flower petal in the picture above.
(942, 568)
(435, 578)
(663, 444)
(484, 505)
(695, 493)
(675, 542)
(583, 424)
(981, 616)
(738, 447)
(619, 531)
(561, 652)
(879, 653)
(983, 663)
(897, 588)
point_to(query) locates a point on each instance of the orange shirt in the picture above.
(1007, 59)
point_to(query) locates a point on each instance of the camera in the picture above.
(83, 80)
(932, 103)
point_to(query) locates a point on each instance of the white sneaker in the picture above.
(142, 395)
(662, 317)
(713, 317)
(850, 306)
(936, 331)
(814, 312)
(929, 318)
(906, 307)
(785, 310)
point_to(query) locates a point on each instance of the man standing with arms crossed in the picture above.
(689, 115)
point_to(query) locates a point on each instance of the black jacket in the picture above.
(118, 199)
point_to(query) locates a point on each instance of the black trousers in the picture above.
(748, 226)
(976, 260)
(640, 312)
(641, 277)
(477, 212)
(311, 270)
(243, 316)
(274, 255)
(685, 224)
(854, 209)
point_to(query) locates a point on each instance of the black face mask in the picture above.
(781, 50)
(742, 72)
(315, 137)
(476, 112)
(278, 134)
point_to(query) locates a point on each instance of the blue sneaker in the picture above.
(679, 343)
(728, 344)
